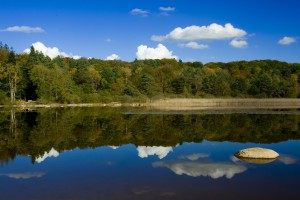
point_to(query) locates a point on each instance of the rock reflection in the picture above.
(160, 151)
(51, 153)
(196, 169)
(257, 160)
(27, 175)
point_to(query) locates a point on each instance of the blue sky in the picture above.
(98, 28)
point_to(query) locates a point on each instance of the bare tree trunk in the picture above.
(13, 123)
(12, 87)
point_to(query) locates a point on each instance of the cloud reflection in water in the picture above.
(26, 175)
(194, 157)
(196, 169)
(287, 160)
(51, 153)
(114, 147)
(160, 151)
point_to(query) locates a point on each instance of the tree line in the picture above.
(35, 76)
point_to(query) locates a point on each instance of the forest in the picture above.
(35, 77)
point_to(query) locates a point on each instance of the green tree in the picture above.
(95, 78)
(164, 76)
(146, 84)
(53, 85)
(262, 86)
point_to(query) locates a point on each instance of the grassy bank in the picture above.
(193, 104)
(179, 104)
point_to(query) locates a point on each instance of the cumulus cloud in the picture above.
(138, 11)
(26, 175)
(160, 151)
(196, 169)
(194, 157)
(24, 29)
(167, 9)
(194, 45)
(238, 43)
(51, 153)
(52, 52)
(287, 40)
(160, 52)
(113, 57)
(194, 33)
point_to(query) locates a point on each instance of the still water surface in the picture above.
(96, 153)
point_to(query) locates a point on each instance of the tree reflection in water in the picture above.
(34, 133)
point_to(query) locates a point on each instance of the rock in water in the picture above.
(257, 153)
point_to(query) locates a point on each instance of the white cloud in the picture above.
(52, 52)
(160, 52)
(26, 175)
(74, 57)
(193, 33)
(194, 45)
(160, 151)
(287, 40)
(194, 157)
(238, 43)
(196, 169)
(113, 57)
(51, 153)
(167, 9)
(24, 29)
(138, 11)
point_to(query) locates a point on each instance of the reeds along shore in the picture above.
(183, 104)
(225, 103)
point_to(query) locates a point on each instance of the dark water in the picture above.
(137, 154)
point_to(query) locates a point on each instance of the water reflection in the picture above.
(287, 160)
(160, 151)
(67, 129)
(51, 153)
(27, 175)
(176, 147)
(194, 157)
(257, 160)
(214, 170)
(114, 147)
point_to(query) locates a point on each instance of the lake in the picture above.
(127, 153)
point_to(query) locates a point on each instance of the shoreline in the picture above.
(221, 103)
(180, 104)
